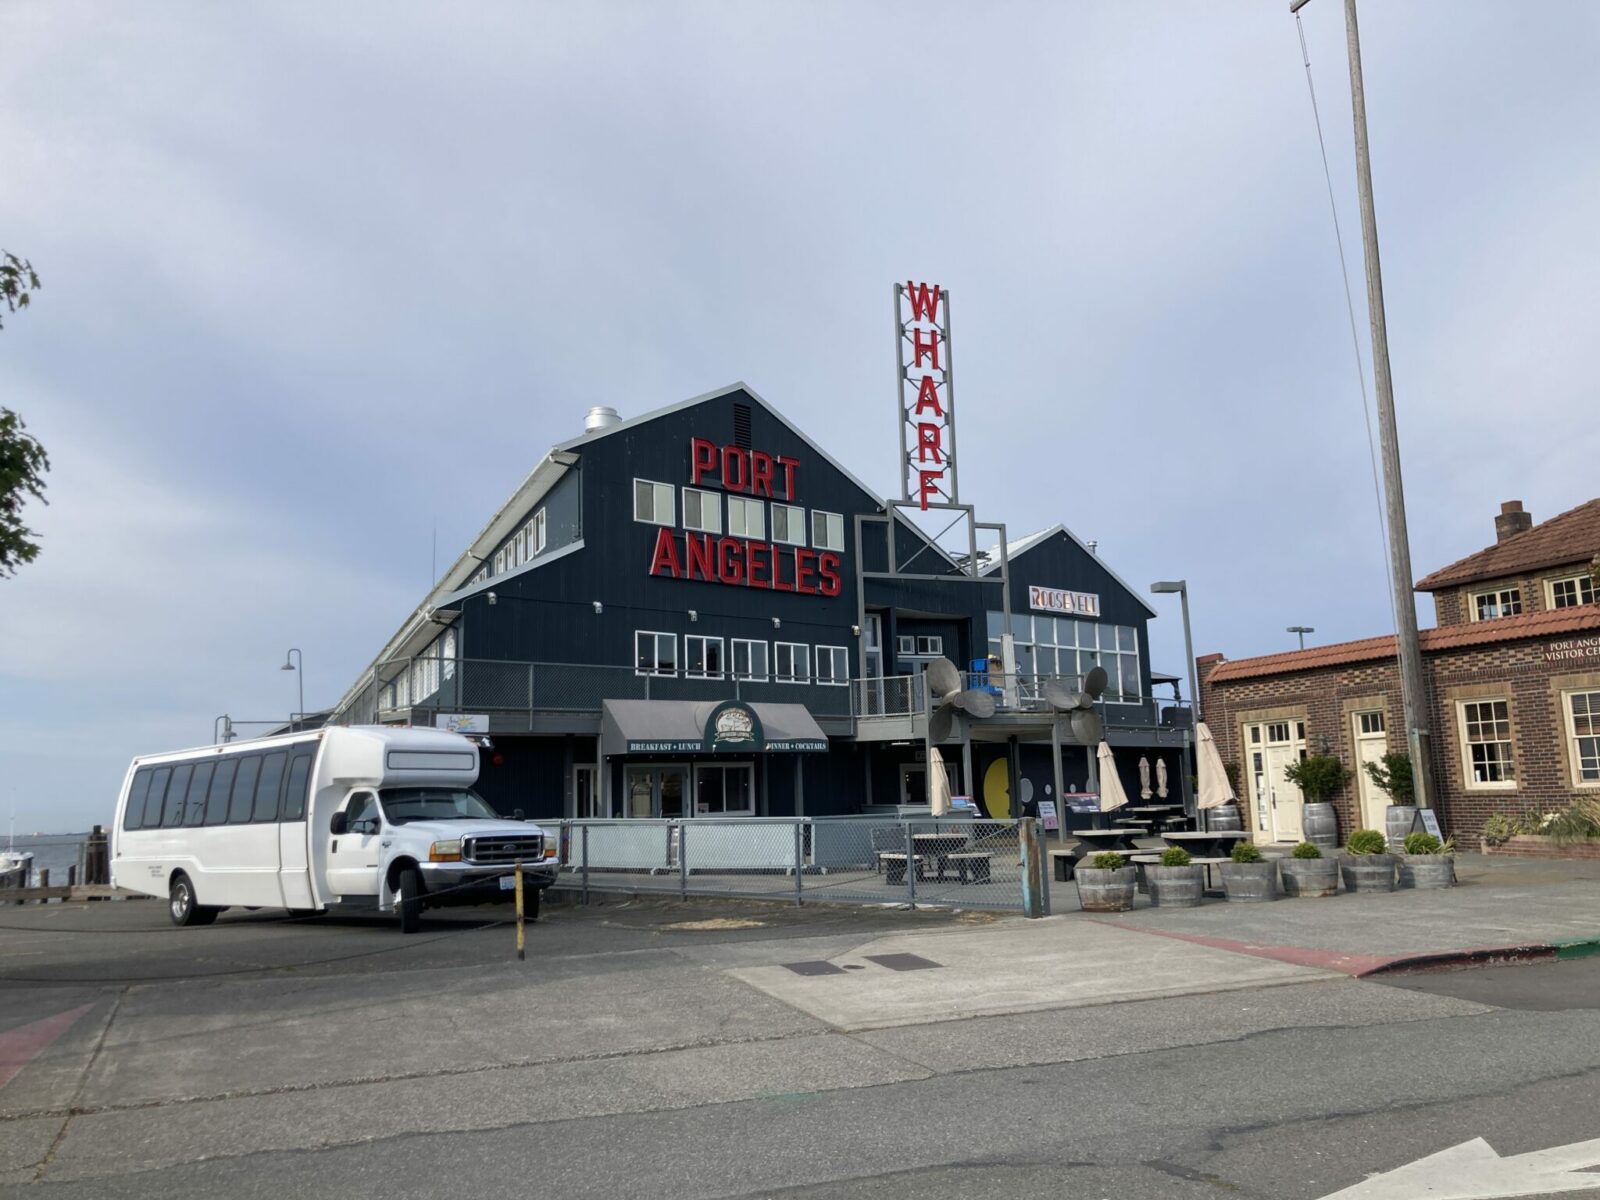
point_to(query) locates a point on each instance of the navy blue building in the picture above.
(686, 614)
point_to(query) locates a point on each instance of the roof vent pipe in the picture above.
(601, 416)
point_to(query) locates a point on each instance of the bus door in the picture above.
(294, 871)
(353, 855)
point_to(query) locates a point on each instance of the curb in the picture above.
(1561, 949)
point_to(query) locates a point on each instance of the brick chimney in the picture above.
(1511, 521)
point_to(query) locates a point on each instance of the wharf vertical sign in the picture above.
(927, 399)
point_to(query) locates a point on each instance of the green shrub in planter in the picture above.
(1367, 841)
(1423, 843)
(1247, 852)
(1108, 860)
(1499, 828)
(1174, 856)
(1307, 850)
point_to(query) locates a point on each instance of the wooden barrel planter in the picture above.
(1105, 891)
(1321, 825)
(1224, 818)
(1397, 823)
(1310, 876)
(1250, 883)
(1368, 872)
(1423, 871)
(1175, 887)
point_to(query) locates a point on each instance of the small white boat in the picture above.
(16, 868)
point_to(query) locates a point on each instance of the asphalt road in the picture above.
(262, 1057)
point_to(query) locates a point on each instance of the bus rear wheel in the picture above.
(408, 899)
(182, 904)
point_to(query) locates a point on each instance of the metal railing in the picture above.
(908, 695)
(956, 862)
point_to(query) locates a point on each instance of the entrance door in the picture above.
(1279, 804)
(1372, 743)
(353, 855)
(872, 698)
(586, 802)
(657, 791)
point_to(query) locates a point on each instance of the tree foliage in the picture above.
(1317, 776)
(1392, 774)
(23, 461)
(17, 280)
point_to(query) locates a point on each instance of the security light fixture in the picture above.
(777, 624)
(598, 608)
(493, 599)
(694, 614)
(855, 631)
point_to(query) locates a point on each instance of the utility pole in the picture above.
(1414, 696)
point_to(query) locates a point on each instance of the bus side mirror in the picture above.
(340, 823)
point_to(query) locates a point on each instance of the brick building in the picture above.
(1513, 677)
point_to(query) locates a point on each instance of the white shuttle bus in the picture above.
(357, 817)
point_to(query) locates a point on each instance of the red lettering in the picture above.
(804, 570)
(790, 466)
(925, 349)
(735, 469)
(700, 556)
(928, 485)
(778, 584)
(702, 459)
(928, 445)
(924, 303)
(928, 399)
(760, 473)
(828, 573)
(665, 559)
(759, 557)
(730, 561)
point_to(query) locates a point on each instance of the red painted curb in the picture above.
(20, 1046)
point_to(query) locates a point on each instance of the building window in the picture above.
(721, 789)
(1072, 647)
(1571, 592)
(1507, 602)
(499, 562)
(747, 518)
(702, 657)
(1370, 722)
(655, 653)
(914, 646)
(792, 661)
(702, 511)
(833, 665)
(789, 524)
(827, 531)
(1583, 734)
(1486, 738)
(535, 532)
(652, 502)
(749, 660)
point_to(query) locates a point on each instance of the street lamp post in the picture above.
(1302, 630)
(300, 678)
(1181, 586)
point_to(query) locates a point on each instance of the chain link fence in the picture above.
(959, 863)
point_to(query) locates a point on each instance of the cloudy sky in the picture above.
(323, 277)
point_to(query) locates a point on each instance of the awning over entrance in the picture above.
(697, 727)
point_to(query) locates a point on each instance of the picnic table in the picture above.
(1213, 843)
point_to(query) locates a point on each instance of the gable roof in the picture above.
(990, 558)
(1546, 623)
(1572, 537)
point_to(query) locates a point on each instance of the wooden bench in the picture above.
(971, 863)
(894, 865)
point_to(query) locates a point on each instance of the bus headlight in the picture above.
(445, 852)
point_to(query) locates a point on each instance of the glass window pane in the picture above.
(244, 790)
(133, 812)
(195, 810)
(266, 805)
(153, 799)
(221, 786)
(172, 814)
(643, 501)
(294, 795)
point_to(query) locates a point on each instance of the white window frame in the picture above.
(749, 676)
(1569, 722)
(705, 641)
(930, 645)
(745, 507)
(536, 533)
(838, 659)
(500, 561)
(905, 645)
(657, 492)
(1581, 582)
(795, 522)
(655, 652)
(1499, 595)
(715, 501)
(823, 538)
(1469, 777)
(800, 650)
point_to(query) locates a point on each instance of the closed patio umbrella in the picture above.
(1161, 778)
(1215, 790)
(1111, 793)
(1144, 777)
(938, 785)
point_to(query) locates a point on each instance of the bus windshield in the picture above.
(434, 804)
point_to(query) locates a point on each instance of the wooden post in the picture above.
(44, 882)
(1033, 901)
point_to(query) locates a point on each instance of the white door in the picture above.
(353, 855)
(587, 804)
(294, 869)
(1372, 743)
(1285, 802)
(1278, 804)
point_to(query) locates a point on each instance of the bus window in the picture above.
(217, 798)
(152, 801)
(133, 813)
(294, 793)
(244, 789)
(266, 808)
(172, 814)
(195, 811)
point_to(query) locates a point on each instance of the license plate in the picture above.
(508, 883)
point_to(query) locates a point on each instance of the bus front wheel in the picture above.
(408, 899)
(183, 907)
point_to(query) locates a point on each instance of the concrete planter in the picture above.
(1427, 871)
(1175, 887)
(1106, 891)
(1250, 883)
(1310, 876)
(1368, 872)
